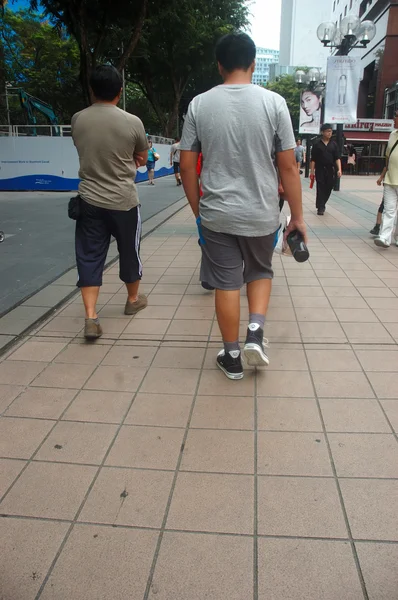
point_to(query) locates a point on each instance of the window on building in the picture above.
(345, 11)
(341, 16)
(350, 4)
(334, 5)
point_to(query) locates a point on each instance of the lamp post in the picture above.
(352, 33)
(313, 80)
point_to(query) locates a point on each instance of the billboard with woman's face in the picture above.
(310, 112)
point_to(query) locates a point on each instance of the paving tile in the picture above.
(19, 319)
(338, 302)
(378, 360)
(170, 381)
(19, 438)
(195, 312)
(5, 340)
(359, 333)
(41, 403)
(309, 302)
(82, 354)
(281, 314)
(19, 372)
(128, 497)
(350, 415)
(84, 443)
(364, 454)
(310, 507)
(342, 292)
(384, 384)
(332, 360)
(179, 358)
(28, 549)
(391, 409)
(355, 315)
(220, 451)
(49, 490)
(376, 292)
(204, 299)
(9, 470)
(318, 331)
(169, 288)
(164, 410)
(288, 453)
(148, 327)
(99, 407)
(289, 414)
(165, 299)
(342, 385)
(105, 562)
(38, 351)
(312, 314)
(378, 565)
(118, 379)
(190, 328)
(386, 303)
(156, 312)
(223, 412)
(64, 376)
(296, 384)
(312, 569)
(146, 448)
(7, 394)
(281, 331)
(210, 502)
(198, 566)
(64, 324)
(135, 356)
(371, 506)
(287, 360)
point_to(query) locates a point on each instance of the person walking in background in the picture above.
(351, 159)
(389, 178)
(376, 229)
(299, 154)
(238, 214)
(150, 163)
(111, 144)
(325, 165)
(175, 160)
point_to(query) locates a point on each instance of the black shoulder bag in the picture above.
(75, 207)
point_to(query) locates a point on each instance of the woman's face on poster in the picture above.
(309, 103)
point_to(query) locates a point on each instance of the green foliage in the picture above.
(41, 60)
(290, 90)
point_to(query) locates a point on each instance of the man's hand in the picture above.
(380, 180)
(299, 225)
(139, 160)
(339, 173)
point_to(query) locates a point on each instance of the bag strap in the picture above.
(392, 150)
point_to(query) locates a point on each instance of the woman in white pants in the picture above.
(389, 177)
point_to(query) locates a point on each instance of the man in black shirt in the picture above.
(325, 164)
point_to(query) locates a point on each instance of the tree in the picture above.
(176, 51)
(96, 25)
(287, 87)
(42, 60)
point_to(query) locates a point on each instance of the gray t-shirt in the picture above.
(299, 153)
(239, 128)
(175, 152)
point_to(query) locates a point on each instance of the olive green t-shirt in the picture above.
(106, 138)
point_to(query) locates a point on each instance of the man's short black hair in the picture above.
(106, 82)
(235, 51)
(326, 126)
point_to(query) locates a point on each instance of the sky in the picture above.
(265, 23)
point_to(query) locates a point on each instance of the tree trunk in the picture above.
(172, 119)
(134, 37)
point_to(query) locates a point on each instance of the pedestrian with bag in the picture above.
(153, 156)
(389, 178)
(325, 166)
(175, 160)
(111, 144)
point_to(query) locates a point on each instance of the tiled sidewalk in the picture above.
(133, 468)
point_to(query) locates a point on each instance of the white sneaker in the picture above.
(381, 243)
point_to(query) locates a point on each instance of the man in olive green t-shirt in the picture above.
(389, 177)
(111, 144)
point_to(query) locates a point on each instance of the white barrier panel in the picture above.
(51, 164)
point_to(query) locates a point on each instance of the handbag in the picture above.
(156, 156)
(75, 208)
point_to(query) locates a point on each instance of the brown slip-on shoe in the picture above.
(132, 308)
(92, 330)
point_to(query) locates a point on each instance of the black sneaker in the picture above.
(375, 230)
(255, 347)
(321, 212)
(230, 363)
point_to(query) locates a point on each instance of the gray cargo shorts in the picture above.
(230, 261)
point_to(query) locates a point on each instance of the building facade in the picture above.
(299, 44)
(264, 58)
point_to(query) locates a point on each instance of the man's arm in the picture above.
(312, 167)
(291, 183)
(171, 155)
(338, 165)
(383, 174)
(190, 181)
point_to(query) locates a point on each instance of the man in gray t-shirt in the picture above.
(241, 130)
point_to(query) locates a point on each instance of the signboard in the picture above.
(342, 85)
(371, 125)
(310, 112)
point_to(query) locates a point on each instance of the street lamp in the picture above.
(352, 33)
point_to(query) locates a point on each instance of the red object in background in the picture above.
(199, 166)
(312, 177)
